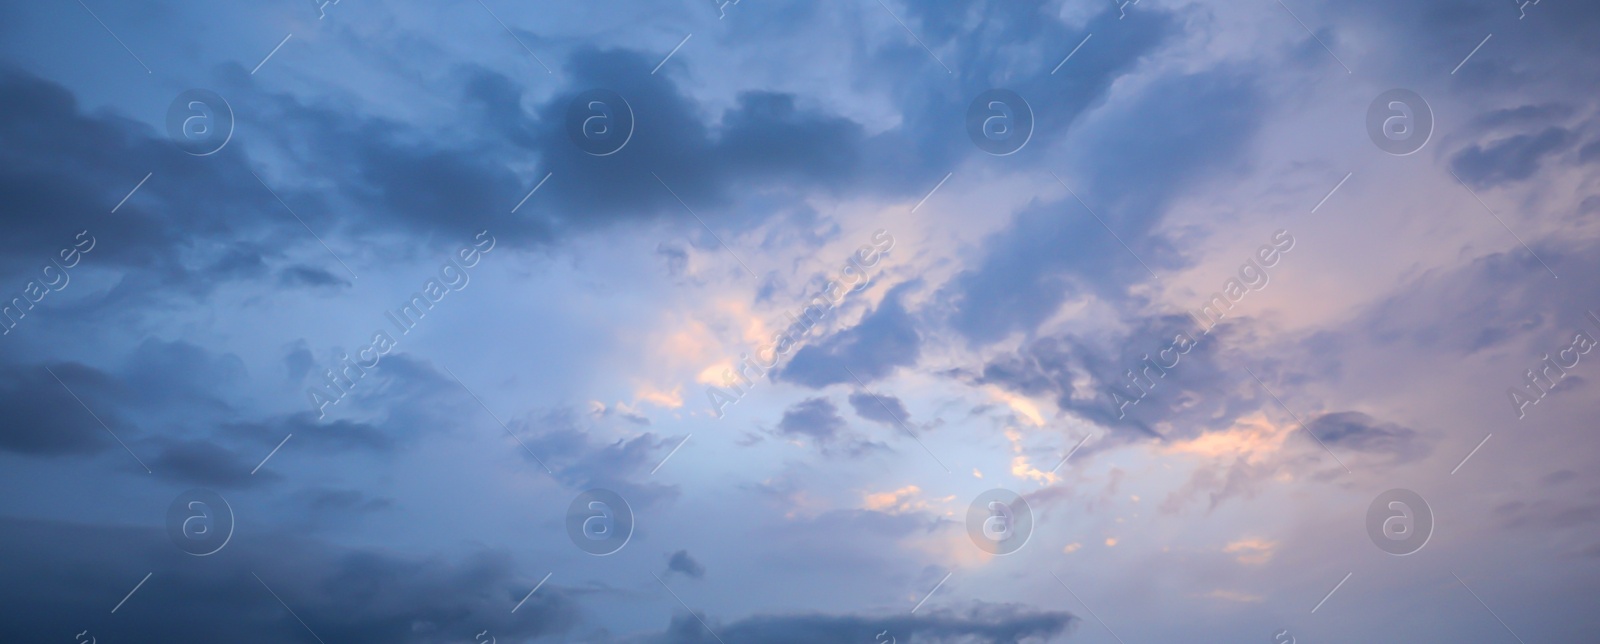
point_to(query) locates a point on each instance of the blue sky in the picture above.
(997, 339)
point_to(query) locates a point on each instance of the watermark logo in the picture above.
(1551, 371)
(12, 312)
(999, 122)
(599, 522)
(200, 122)
(1399, 122)
(1253, 276)
(200, 522)
(599, 122)
(452, 276)
(1282, 637)
(999, 521)
(1399, 522)
(737, 381)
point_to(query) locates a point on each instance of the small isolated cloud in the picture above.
(1363, 433)
(680, 562)
(310, 276)
(816, 422)
(881, 408)
(814, 418)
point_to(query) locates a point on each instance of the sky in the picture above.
(797, 322)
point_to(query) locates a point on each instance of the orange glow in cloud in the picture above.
(904, 500)
(668, 399)
(1019, 405)
(1253, 438)
(1234, 596)
(1020, 466)
(1251, 551)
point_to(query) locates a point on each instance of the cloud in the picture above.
(310, 276)
(43, 418)
(681, 562)
(1513, 158)
(813, 418)
(561, 442)
(982, 624)
(1176, 132)
(1239, 478)
(342, 594)
(881, 408)
(816, 422)
(1589, 153)
(196, 224)
(1494, 292)
(201, 462)
(1197, 394)
(885, 338)
(1251, 551)
(765, 140)
(1363, 433)
(334, 434)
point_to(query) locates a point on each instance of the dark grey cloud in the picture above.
(886, 338)
(439, 183)
(765, 140)
(881, 408)
(178, 373)
(326, 435)
(1558, 477)
(196, 223)
(77, 572)
(43, 418)
(1523, 115)
(1081, 374)
(205, 463)
(1181, 130)
(981, 624)
(1003, 51)
(310, 276)
(1589, 153)
(1360, 432)
(681, 562)
(817, 423)
(1514, 158)
(816, 419)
